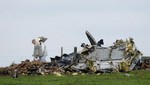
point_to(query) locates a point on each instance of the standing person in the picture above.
(40, 51)
(37, 49)
(43, 49)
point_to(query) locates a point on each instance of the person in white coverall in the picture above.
(40, 51)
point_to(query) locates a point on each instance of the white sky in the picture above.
(64, 23)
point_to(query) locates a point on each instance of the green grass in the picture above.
(134, 78)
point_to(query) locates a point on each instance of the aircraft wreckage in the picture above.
(121, 56)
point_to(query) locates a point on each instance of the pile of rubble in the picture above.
(121, 56)
(146, 63)
(28, 67)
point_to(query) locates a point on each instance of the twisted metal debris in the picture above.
(123, 55)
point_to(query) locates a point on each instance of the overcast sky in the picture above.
(64, 23)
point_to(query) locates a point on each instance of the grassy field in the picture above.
(132, 78)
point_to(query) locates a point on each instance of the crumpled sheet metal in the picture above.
(125, 51)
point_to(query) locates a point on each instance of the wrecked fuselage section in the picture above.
(122, 56)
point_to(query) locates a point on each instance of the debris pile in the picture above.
(145, 64)
(121, 56)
